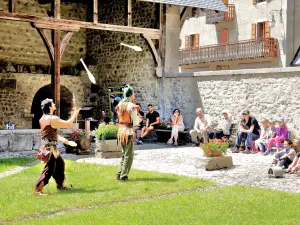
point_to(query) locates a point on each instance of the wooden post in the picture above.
(128, 13)
(12, 6)
(95, 10)
(56, 77)
(56, 71)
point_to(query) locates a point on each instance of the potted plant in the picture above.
(106, 141)
(215, 148)
(82, 140)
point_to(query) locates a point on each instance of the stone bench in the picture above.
(164, 136)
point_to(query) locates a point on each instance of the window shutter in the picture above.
(196, 41)
(186, 42)
(267, 30)
(254, 2)
(223, 36)
(253, 33)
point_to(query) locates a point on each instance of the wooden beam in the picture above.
(185, 15)
(47, 42)
(128, 13)
(95, 11)
(57, 27)
(156, 55)
(154, 33)
(12, 6)
(161, 24)
(65, 42)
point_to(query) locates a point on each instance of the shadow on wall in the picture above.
(46, 92)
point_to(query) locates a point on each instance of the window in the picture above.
(261, 30)
(195, 12)
(192, 41)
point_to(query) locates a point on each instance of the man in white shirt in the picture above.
(223, 128)
(201, 127)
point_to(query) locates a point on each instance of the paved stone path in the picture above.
(249, 170)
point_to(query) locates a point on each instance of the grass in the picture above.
(10, 163)
(230, 205)
(93, 185)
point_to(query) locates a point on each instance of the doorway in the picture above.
(46, 92)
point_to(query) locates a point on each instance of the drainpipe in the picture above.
(294, 24)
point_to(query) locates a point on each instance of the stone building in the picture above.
(26, 64)
(252, 34)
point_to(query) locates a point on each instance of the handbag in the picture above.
(44, 154)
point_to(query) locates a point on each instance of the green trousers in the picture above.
(127, 158)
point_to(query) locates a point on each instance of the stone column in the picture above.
(172, 39)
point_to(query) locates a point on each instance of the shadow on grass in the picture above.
(157, 179)
(82, 190)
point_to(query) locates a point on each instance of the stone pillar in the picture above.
(172, 39)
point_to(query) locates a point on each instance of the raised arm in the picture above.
(56, 122)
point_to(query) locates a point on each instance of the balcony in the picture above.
(248, 49)
(213, 17)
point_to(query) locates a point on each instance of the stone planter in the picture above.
(107, 149)
(82, 148)
(216, 163)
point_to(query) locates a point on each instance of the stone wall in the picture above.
(267, 93)
(22, 44)
(15, 104)
(115, 65)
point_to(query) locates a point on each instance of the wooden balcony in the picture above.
(248, 49)
(218, 17)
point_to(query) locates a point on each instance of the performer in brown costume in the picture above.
(127, 115)
(55, 167)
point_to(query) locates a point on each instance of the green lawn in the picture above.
(93, 185)
(10, 163)
(230, 205)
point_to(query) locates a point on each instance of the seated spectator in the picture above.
(265, 134)
(285, 157)
(201, 127)
(104, 118)
(141, 121)
(177, 125)
(295, 166)
(248, 127)
(223, 128)
(152, 122)
(279, 136)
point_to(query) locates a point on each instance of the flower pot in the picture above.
(82, 148)
(211, 153)
(107, 149)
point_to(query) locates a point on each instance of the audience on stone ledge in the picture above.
(279, 136)
(266, 134)
(201, 127)
(177, 125)
(249, 128)
(223, 128)
(152, 122)
(285, 157)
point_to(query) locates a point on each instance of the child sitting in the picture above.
(265, 134)
(278, 137)
(285, 157)
(295, 166)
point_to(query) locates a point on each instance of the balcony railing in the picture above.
(218, 17)
(247, 49)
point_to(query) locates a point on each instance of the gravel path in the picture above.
(249, 170)
(17, 169)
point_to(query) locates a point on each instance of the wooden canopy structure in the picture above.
(56, 24)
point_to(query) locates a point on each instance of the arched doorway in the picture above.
(46, 92)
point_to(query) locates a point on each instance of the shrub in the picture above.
(106, 131)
